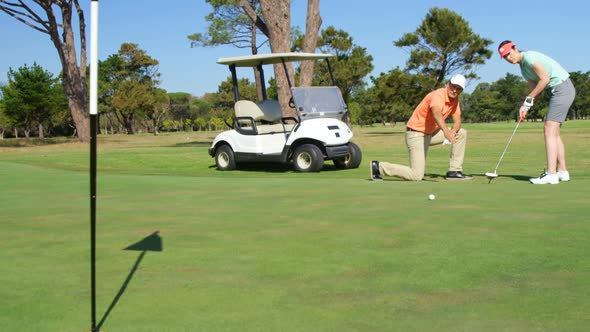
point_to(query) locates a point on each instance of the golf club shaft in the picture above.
(506, 148)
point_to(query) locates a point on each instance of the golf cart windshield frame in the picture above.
(319, 102)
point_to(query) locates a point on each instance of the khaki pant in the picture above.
(418, 144)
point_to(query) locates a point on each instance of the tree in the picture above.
(131, 101)
(4, 121)
(393, 96)
(222, 102)
(199, 109)
(128, 84)
(30, 97)
(352, 63)
(277, 16)
(312, 27)
(184, 106)
(60, 123)
(155, 112)
(200, 123)
(581, 107)
(63, 38)
(271, 18)
(444, 44)
(180, 105)
(108, 83)
(275, 23)
(230, 25)
(484, 105)
(510, 92)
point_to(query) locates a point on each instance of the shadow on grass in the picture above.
(150, 243)
(437, 177)
(515, 177)
(434, 177)
(386, 133)
(269, 167)
(33, 141)
(192, 143)
(427, 178)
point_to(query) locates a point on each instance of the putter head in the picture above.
(491, 175)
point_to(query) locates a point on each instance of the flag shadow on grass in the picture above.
(151, 243)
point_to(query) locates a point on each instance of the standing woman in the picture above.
(542, 72)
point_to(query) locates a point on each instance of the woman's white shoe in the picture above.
(563, 176)
(546, 178)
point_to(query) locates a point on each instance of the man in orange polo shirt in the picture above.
(427, 127)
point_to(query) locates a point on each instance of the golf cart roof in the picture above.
(266, 59)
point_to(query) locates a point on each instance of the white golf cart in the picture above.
(260, 133)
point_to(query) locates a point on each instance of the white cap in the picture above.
(459, 80)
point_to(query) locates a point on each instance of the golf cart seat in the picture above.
(271, 109)
(266, 117)
(273, 112)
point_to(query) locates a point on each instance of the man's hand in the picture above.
(451, 135)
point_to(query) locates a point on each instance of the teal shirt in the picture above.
(557, 73)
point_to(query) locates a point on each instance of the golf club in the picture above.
(493, 175)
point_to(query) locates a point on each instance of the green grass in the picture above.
(274, 250)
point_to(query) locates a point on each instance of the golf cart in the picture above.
(260, 132)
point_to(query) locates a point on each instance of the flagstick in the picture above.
(93, 128)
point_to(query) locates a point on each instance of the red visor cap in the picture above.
(505, 49)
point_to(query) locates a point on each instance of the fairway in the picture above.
(268, 249)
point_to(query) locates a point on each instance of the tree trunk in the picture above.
(312, 28)
(254, 49)
(277, 15)
(129, 124)
(41, 131)
(74, 76)
(155, 123)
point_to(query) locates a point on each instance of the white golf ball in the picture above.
(431, 197)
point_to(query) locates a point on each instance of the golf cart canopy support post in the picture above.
(331, 72)
(234, 78)
(262, 82)
(287, 74)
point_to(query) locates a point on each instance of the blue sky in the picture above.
(557, 28)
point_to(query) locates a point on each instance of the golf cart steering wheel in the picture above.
(291, 102)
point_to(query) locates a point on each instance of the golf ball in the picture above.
(431, 197)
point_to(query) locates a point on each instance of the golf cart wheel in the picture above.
(224, 158)
(352, 160)
(308, 158)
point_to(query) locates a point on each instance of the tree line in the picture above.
(130, 101)
(33, 102)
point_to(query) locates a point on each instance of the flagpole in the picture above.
(93, 129)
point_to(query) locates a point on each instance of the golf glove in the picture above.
(526, 106)
(528, 102)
